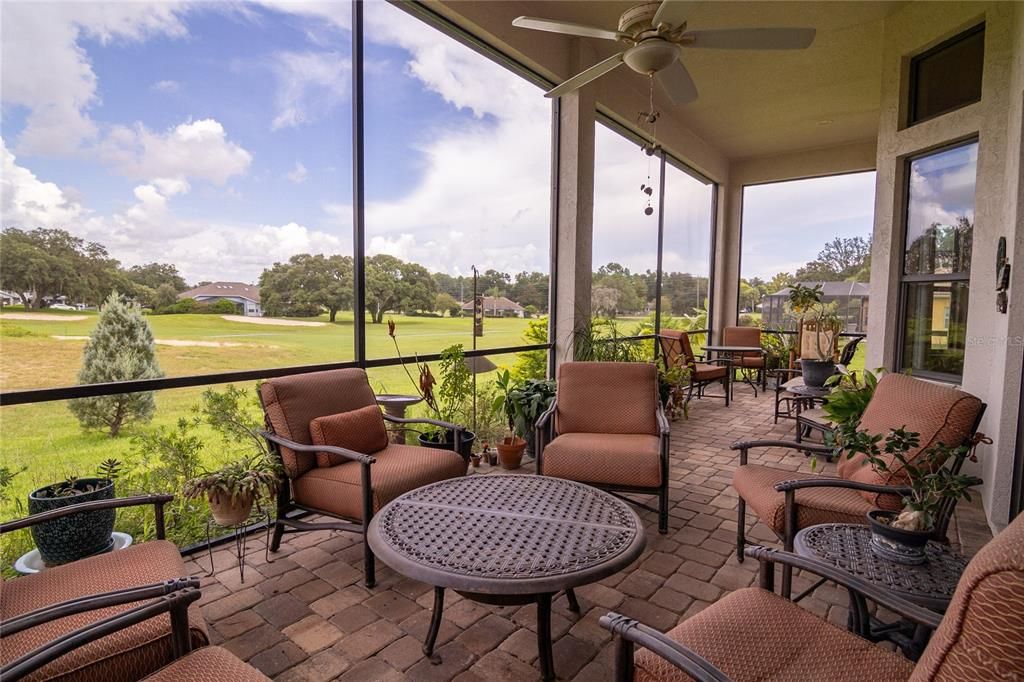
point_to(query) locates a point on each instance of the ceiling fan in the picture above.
(656, 34)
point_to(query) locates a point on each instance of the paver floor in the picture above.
(306, 616)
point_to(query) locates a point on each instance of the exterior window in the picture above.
(948, 76)
(937, 261)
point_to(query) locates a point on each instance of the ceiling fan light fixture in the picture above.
(651, 56)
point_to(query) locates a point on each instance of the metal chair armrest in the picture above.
(631, 632)
(176, 603)
(841, 483)
(812, 448)
(423, 420)
(158, 502)
(332, 449)
(542, 420)
(918, 614)
(663, 426)
(92, 602)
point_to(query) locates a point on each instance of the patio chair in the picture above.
(183, 663)
(783, 377)
(48, 606)
(787, 501)
(747, 336)
(333, 445)
(676, 351)
(607, 428)
(754, 634)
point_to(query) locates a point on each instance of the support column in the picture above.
(575, 223)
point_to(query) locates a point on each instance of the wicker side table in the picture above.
(507, 539)
(931, 584)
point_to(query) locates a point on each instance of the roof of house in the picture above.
(495, 303)
(833, 289)
(224, 289)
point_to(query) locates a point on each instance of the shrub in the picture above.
(223, 307)
(120, 348)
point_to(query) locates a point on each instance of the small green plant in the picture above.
(247, 478)
(930, 483)
(447, 401)
(600, 340)
(107, 472)
(849, 397)
(7, 476)
(526, 402)
(673, 385)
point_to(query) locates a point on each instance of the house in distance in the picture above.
(496, 306)
(245, 295)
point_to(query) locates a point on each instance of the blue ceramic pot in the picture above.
(74, 537)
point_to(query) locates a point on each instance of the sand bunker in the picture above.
(171, 342)
(43, 317)
(272, 320)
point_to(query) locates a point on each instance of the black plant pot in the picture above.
(531, 442)
(74, 537)
(816, 372)
(434, 440)
(895, 544)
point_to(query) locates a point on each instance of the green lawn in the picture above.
(46, 438)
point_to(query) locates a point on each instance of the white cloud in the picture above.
(309, 85)
(45, 70)
(28, 202)
(199, 150)
(297, 175)
(167, 86)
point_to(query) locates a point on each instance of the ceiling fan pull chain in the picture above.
(649, 117)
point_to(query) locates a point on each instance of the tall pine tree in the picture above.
(120, 348)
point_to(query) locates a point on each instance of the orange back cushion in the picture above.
(360, 430)
(940, 414)
(607, 397)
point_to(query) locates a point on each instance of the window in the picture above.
(937, 261)
(947, 76)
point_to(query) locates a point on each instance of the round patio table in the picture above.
(506, 539)
(731, 353)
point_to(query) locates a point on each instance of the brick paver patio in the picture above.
(306, 616)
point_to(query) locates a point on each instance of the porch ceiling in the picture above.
(751, 103)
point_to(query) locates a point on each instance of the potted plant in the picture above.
(814, 316)
(901, 536)
(77, 536)
(232, 490)
(529, 400)
(673, 384)
(447, 401)
(510, 449)
(849, 397)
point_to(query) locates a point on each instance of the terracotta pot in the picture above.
(896, 544)
(510, 452)
(230, 511)
(476, 460)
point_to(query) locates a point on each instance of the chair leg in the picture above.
(275, 541)
(663, 510)
(369, 565)
(741, 529)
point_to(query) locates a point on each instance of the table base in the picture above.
(543, 602)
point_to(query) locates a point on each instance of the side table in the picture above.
(847, 546)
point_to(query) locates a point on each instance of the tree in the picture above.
(531, 289)
(306, 285)
(164, 296)
(120, 348)
(446, 303)
(153, 275)
(840, 259)
(604, 301)
(393, 284)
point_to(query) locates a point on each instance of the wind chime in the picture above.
(645, 119)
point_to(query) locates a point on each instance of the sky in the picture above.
(216, 136)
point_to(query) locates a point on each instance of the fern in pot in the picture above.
(232, 489)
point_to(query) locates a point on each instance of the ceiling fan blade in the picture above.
(672, 12)
(677, 83)
(567, 28)
(751, 38)
(584, 77)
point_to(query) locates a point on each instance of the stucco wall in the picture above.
(992, 364)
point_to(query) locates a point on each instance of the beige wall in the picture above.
(992, 365)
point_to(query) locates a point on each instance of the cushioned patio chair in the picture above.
(330, 435)
(748, 362)
(753, 634)
(39, 600)
(676, 351)
(607, 428)
(787, 501)
(183, 664)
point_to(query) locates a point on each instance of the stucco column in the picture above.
(575, 225)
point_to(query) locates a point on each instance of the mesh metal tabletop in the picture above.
(507, 534)
(848, 546)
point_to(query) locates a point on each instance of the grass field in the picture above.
(47, 438)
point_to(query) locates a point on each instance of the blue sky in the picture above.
(217, 136)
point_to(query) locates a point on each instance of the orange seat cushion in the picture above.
(124, 656)
(209, 664)
(756, 485)
(337, 490)
(360, 430)
(605, 458)
(705, 372)
(753, 635)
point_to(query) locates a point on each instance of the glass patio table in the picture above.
(506, 540)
